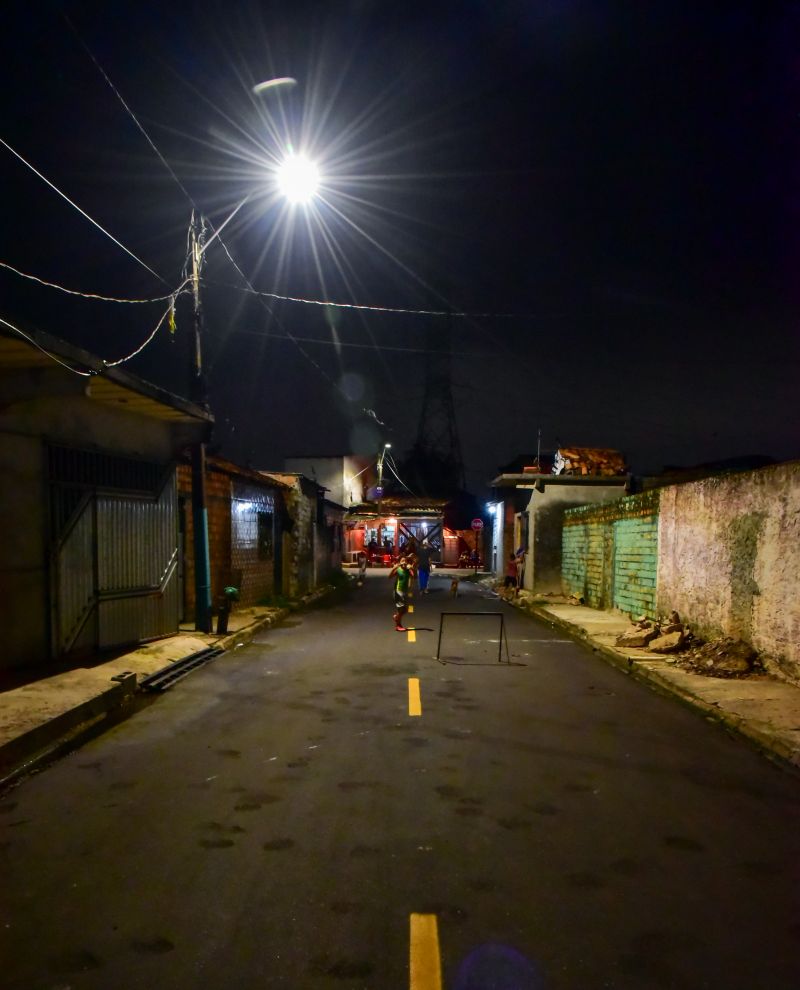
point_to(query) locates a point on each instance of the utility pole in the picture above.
(202, 569)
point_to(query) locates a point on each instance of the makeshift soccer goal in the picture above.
(472, 637)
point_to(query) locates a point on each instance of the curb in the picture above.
(58, 736)
(66, 731)
(765, 741)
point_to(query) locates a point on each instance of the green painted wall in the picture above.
(610, 553)
(635, 564)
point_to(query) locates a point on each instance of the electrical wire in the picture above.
(392, 467)
(81, 211)
(169, 310)
(376, 309)
(86, 295)
(132, 115)
(53, 357)
(361, 346)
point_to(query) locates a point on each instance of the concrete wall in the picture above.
(300, 564)
(730, 559)
(24, 573)
(343, 476)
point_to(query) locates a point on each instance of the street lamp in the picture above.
(298, 180)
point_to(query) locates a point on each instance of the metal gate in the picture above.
(114, 550)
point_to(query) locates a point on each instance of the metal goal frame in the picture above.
(503, 639)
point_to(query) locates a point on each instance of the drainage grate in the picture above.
(167, 676)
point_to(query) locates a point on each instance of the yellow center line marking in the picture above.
(425, 960)
(410, 608)
(412, 635)
(414, 700)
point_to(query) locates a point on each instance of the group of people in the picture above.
(413, 566)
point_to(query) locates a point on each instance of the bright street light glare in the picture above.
(298, 179)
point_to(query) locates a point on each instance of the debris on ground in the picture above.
(727, 657)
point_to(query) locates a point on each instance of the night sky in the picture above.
(609, 190)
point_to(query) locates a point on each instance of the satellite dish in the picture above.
(270, 84)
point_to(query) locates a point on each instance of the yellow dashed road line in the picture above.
(424, 957)
(414, 700)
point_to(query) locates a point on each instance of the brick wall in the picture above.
(218, 505)
(226, 559)
(582, 561)
(610, 553)
(635, 564)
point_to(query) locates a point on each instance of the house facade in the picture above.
(312, 536)
(527, 513)
(247, 519)
(346, 478)
(88, 497)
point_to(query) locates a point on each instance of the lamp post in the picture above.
(381, 456)
(297, 178)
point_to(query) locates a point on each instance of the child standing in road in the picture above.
(401, 574)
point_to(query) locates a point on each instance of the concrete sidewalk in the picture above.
(39, 718)
(759, 707)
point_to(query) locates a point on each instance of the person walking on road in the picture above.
(424, 566)
(401, 575)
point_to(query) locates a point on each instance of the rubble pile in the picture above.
(725, 657)
(665, 635)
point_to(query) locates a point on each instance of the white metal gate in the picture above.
(115, 551)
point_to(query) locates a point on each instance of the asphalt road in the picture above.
(279, 819)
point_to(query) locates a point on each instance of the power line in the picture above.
(170, 310)
(361, 346)
(376, 309)
(86, 295)
(81, 211)
(83, 374)
(132, 115)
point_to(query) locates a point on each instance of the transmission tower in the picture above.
(435, 463)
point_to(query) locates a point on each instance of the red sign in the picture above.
(477, 524)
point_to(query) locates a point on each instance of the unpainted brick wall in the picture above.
(218, 505)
